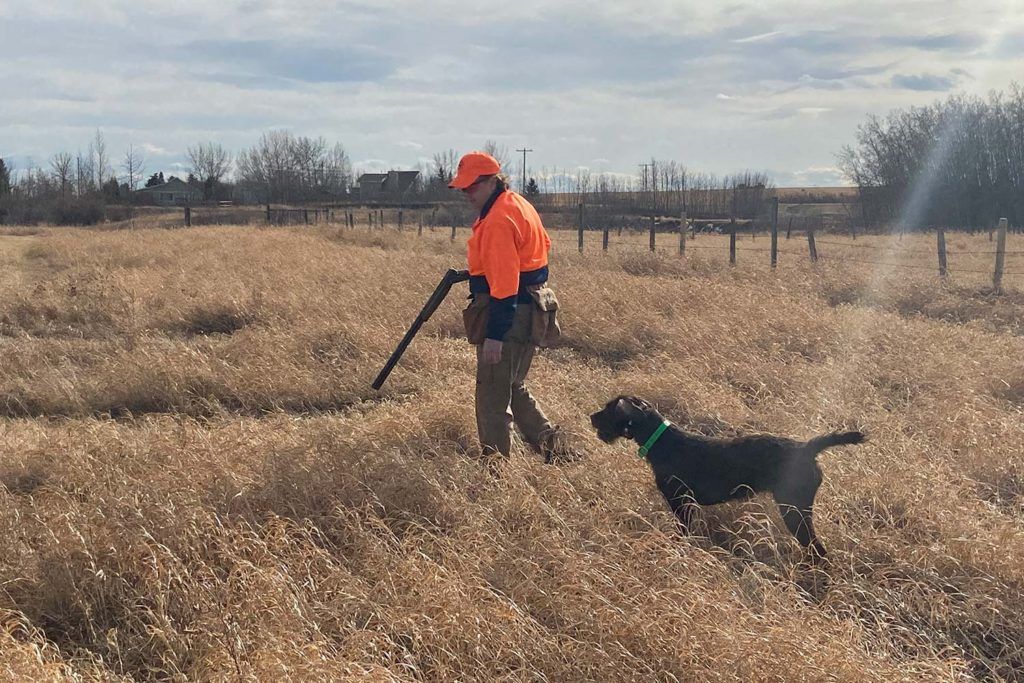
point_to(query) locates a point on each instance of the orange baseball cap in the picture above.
(471, 167)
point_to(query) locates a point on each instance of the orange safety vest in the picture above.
(509, 240)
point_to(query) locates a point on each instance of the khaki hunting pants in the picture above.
(501, 396)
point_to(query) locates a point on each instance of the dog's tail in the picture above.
(820, 443)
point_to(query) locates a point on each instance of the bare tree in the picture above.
(283, 167)
(442, 170)
(101, 162)
(444, 165)
(34, 182)
(499, 152)
(307, 157)
(266, 166)
(134, 166)
(339, 170)
(61, 165)
(209, 161)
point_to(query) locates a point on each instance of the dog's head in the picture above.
(619, 416)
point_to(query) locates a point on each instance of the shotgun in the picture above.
(440, 292)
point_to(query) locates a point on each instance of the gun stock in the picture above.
(450, 278)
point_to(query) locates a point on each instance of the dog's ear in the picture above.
(630, 408)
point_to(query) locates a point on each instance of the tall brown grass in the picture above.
(199, 484)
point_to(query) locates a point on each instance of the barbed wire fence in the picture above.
(687, 232)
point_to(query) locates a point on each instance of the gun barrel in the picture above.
(437, 296)
(397, 353)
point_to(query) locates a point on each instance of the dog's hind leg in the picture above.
(795, 506)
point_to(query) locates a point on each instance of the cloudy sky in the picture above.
(773, 86)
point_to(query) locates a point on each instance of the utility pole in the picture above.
(645, 167)
(643, 187)
(524, 150)
(654, 185)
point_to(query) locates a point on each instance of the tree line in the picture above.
(282, 167)
(954, 163)
(661, 187)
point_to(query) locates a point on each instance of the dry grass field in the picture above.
(198, 482)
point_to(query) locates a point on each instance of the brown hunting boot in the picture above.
(556, 446)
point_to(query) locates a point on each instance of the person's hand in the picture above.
(491, 352)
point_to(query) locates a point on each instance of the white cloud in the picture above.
(759, 37)
(813, 111)
(154, 150)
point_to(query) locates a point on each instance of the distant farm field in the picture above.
(198, 483)
(828, 194)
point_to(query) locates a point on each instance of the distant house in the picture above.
(174, 192)
(371, 185)
(390, 185)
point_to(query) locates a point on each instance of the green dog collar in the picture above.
(646, 448)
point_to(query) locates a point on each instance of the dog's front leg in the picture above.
(682, 502)
(685, 511)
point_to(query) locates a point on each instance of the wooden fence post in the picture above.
(940, 236)
(188, 216)
(369, 221)
(580, 227)
(682, 233)
(604, 239)
(732, 242)
(268, 213)
(381, 219)
(775, 232)
(789, 228)
(453, 232)
(997, 279)
(652, 232)
(305, 216)
(400, 219)
(810, 245)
